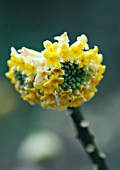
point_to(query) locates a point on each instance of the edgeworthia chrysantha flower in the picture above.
(60, 76)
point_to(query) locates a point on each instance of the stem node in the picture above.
(87, 139)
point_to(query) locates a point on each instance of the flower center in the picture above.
(74, 76)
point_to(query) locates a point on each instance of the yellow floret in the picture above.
(30, 69)
(64, 52)
(54, 82)
(76, 50)
(51, 58)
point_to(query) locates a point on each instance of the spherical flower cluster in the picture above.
(60, 76)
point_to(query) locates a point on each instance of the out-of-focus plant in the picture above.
(40, 147)
(61, 76)
(7, 99)
(28, 167)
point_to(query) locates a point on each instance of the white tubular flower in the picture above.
(28, 52)
(84, 40)
(62, 39)
(14, 52)
(41, 75)
(31, 56)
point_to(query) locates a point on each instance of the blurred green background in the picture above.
(29, 23)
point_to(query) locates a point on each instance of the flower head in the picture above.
(60, 76)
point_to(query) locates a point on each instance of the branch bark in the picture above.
(87, 139)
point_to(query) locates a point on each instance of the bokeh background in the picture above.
(28, 23)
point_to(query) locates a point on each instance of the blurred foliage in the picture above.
(40, 148)
(8, 98)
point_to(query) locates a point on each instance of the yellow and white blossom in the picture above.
(62, 39)
(84, 40)
(60, 76)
